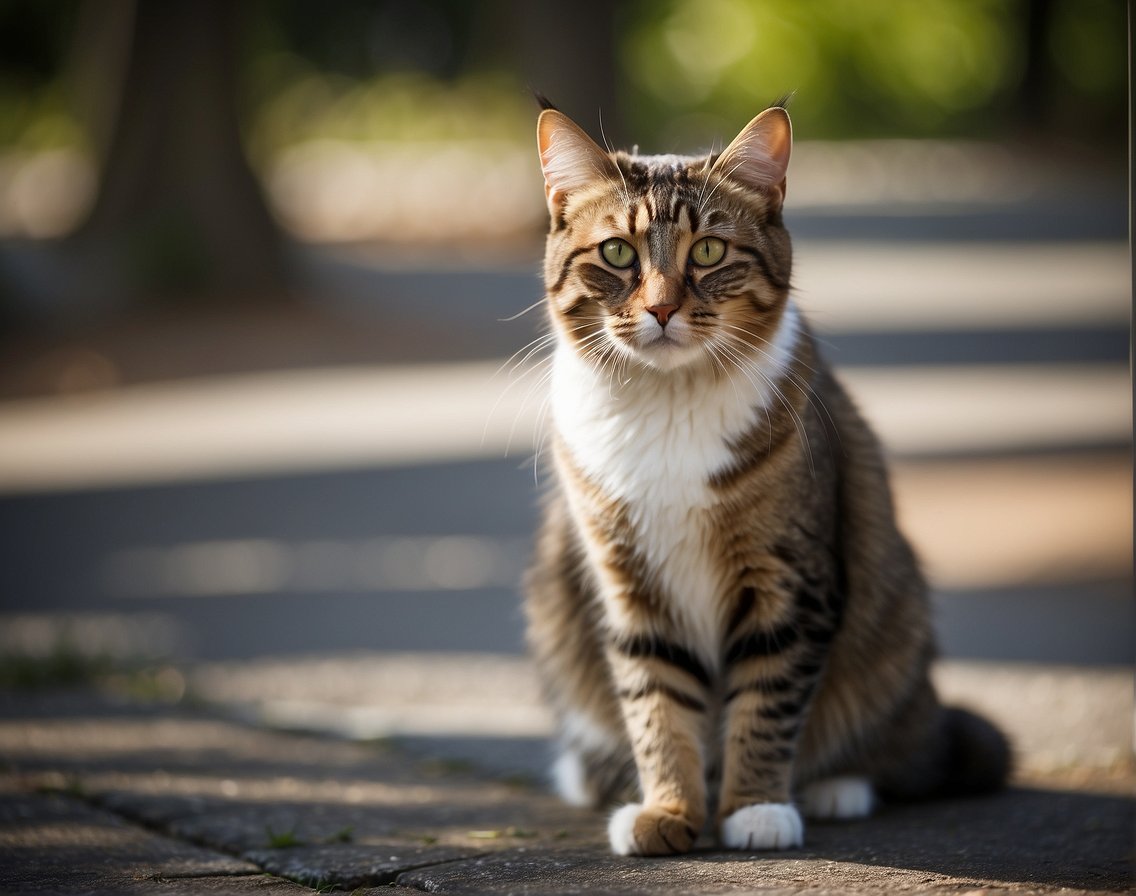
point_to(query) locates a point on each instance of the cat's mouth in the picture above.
(667, 349)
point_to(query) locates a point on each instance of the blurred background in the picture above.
(268, 402)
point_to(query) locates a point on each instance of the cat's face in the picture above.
(667, 261)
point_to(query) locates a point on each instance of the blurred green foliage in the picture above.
(373, 71)
(868, 68)
(390, 70)
(859, 67)
(305, 103)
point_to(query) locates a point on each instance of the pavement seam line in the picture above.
(166, 829)
(94, 801)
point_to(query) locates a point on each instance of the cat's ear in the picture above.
(569, 158)
(759, 155)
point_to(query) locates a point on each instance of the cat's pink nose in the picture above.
(662, 313)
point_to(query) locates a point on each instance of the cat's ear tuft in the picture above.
(569, 158)
(543, 101)
(759, 155)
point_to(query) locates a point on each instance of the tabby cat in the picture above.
(728, 624)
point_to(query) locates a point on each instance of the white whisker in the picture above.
(746, 366)
(519, 314)
(802, 384)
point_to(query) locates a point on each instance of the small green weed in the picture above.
(343, 835)
(282, 840)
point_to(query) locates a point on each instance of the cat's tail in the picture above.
(978, 756)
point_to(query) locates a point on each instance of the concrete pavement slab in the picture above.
(51, 843)
(146, 794)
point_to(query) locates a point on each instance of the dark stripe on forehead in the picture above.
(661, 245)
(636, 175)
(693, 213)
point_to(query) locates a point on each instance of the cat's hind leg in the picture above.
(592, 780)
(763, 826)
(594, 767)
(844, 797)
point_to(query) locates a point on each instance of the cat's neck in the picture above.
(619, 426)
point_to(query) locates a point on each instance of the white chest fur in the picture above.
(653, 442)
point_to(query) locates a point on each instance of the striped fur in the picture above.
(725, 616)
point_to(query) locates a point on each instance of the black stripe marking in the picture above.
(775, 755)
(763, 263)
(807, 671)
(672, 694)
(692, 213)
(609, 288)
(567, 267)
(655, 648)
(779, 684)
(723, 281)
(812, 602)
(746, 601)
(763, 643)
(820, 633)
(788, 708)
(792, 559)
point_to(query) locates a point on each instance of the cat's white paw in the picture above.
(842, 797)
(641, 830)
(764, 826)
(621, 829)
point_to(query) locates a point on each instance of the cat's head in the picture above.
(669, 261)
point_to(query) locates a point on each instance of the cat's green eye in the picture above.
(707, 252)
(618, 253)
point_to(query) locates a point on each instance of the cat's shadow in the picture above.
(1023, 835)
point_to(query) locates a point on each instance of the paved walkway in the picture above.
(101, 794)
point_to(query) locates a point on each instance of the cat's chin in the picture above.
(667, 355)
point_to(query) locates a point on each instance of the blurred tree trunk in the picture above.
(1035, 90)
(179, 213)
(568, 52)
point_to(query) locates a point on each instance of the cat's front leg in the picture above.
(662, 692)
(770, 677)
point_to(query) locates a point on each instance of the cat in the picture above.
(727, 623)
